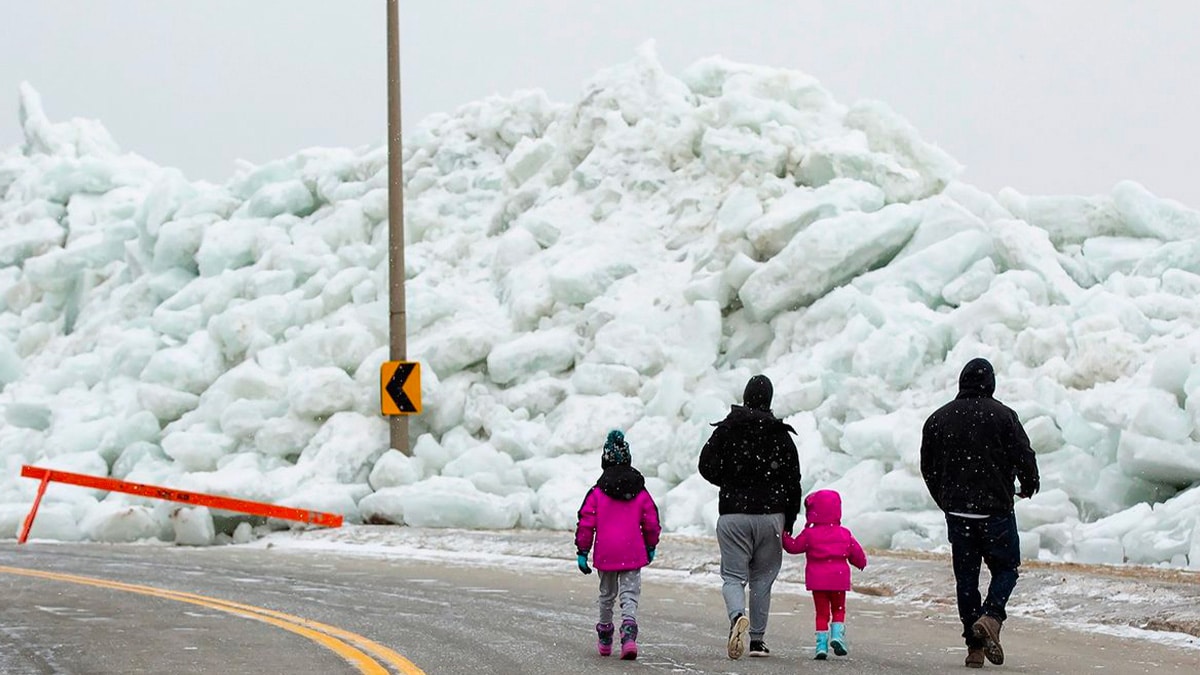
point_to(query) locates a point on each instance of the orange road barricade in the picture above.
(171, 494)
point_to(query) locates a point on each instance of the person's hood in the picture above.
(621, 481)
(977, 379)
(758, 393)
(823, 507)
(755, 411)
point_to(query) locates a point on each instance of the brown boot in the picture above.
(987, 628)
(974, 657)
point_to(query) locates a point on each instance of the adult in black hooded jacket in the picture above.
(752, 459)
(972, 450)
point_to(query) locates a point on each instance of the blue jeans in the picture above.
(994, 541)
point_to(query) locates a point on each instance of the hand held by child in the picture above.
(581, 560)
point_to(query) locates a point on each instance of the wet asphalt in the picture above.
(468, 618)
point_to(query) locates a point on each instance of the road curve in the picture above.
(366, 656)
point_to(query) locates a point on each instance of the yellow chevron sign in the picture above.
(400, 388)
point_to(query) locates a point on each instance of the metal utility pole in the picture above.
(397, 319)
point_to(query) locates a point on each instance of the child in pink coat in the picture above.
(620, 517)
(827, 547)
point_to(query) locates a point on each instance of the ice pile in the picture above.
(625, 261)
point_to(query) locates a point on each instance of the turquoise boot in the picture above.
(822, 645)
(837, 639)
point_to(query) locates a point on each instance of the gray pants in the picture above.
(627, 584)
(751, 552)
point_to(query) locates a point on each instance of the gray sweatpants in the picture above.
(751, 553)
(627, 584)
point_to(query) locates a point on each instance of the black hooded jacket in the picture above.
(974, 447)
(751, 457)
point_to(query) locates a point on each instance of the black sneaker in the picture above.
(759, 648)
(738, 631)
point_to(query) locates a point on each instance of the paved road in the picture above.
(457, 619)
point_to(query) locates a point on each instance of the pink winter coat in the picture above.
(621, 518)
(826, 544)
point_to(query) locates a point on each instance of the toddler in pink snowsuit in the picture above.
(827, 547)
(620, 517)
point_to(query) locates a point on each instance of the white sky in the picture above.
(1061, 97)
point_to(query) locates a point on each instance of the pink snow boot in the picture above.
(604, 638)
(629, 633)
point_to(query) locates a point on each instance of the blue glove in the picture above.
(581, 560)
(650, 554)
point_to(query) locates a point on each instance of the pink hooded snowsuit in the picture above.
(622, 518)
(826, 544)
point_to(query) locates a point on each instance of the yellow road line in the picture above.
(327, 636)
(393, 658)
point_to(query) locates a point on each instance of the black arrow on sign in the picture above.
(395, 388)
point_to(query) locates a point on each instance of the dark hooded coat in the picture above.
(752, 459)
(974, 447)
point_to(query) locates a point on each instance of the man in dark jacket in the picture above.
(972, 449)
(751, 457)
